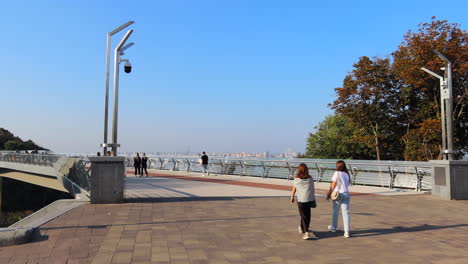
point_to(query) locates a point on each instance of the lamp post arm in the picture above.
(115, 31)
(432, 73)
(442, 57)
(124, 39)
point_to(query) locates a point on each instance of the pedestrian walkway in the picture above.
(164, 184)
(155, 188)
(197, 221)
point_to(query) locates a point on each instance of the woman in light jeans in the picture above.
(340, 184)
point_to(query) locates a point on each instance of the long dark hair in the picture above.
(302, 171)
(341, 166)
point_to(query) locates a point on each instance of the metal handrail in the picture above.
(392, 174)
(33, 159)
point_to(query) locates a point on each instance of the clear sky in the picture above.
(222, 76)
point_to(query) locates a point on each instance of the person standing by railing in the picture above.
(305, 189)
(137, 164)
(339, 193)
(144, 165)
(204, 163)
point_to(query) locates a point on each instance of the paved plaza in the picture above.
(184, 218)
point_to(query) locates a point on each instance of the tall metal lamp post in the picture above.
(128, 68)
(106, 110)
(446, 102)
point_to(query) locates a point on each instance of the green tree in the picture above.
(8, 141)
(5, 136)
(13, 145)
(334, 139)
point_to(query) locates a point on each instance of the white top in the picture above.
(343, 183)
(305, 190)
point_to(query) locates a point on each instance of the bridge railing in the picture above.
(75, 171)
(32, 159)
(390, 174)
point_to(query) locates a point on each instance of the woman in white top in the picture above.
(340, 184)
(304, 186)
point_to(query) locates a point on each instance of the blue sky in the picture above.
(222, 76)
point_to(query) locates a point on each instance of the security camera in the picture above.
(128, 67)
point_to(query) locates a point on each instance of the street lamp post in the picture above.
(117, 60)
(106, 107)
(446, 102)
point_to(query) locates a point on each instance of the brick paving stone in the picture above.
(126, 244)
(142, 252)
(122, 257)
(102, 258)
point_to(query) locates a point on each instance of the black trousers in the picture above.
(137, 170)
(304, 211)
(143, 169)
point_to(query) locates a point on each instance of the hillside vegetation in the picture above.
(8, 141)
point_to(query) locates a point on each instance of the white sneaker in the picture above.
(306, 236)
(331, 229)
(299, 229)
(346, 234)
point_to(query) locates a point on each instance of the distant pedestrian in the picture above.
(137, 164)
(204, 163)
(304, 189)
(98, 154)
(109, 153)
(144, 164)
(339, 193)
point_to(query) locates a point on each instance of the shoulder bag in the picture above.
(336, 195)
(313, 204)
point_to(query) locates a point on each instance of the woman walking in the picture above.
(339, 193)
(305, 190)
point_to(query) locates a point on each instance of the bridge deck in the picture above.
(47, 182)
(189, 223)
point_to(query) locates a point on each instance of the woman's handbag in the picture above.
(313, 204)
(335, 196)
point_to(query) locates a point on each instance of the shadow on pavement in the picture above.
(168, 222)
(401, 229)
(190, 199)
(383, 231)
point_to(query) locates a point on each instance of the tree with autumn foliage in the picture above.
(395, 107)
(370, 99)
(421, 92)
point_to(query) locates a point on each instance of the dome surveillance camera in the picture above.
(128, 67)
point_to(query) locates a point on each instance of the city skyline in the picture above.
(220, 77)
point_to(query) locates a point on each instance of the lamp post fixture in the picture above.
(128, 68)
(106, 108)
(446, 102)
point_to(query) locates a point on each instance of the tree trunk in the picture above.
(376, 133)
